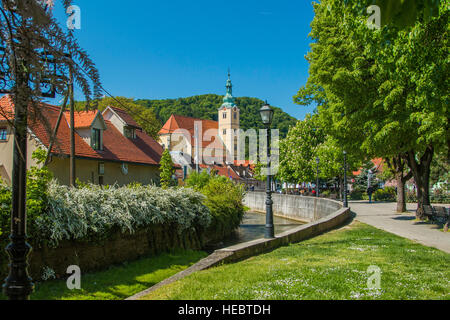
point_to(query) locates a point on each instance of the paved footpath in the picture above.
(384, 216)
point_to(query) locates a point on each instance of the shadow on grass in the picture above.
(121, 281)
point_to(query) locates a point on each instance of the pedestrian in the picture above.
(369, 193)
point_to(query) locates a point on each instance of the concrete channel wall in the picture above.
(321, 214)
(293, 206)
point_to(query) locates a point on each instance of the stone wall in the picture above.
(293, 206)
(98, 255)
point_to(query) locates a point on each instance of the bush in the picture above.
(224, 200)
(93, 212)
(198, 181)
(386, 194)
(356, 195)
(325, 193)
(38, 180)
(166, 170)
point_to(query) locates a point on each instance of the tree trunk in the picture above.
(397, 165)
(421, 172)
(401, 195)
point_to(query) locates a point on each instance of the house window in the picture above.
(101, 169)
(129, 133)
(3, 134)
(235, 115)
(224, 115)
(224, 131)
(96, 139)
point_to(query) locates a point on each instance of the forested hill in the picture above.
(206, 107)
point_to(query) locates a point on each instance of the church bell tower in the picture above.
(228, 117)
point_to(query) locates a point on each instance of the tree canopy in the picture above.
(306, 143)
(381, 93)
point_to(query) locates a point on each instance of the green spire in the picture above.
(228, 100)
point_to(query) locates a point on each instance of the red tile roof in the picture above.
(126, 117)
(244, 163)
(82, 119)
(222, 171)
(6, 110)
(143, 150)
(378, 164)
(181, 122)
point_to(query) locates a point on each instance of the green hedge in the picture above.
(224, 200)
(386, 194)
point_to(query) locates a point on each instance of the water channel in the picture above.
(253, 226)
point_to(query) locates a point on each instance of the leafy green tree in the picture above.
(306, 142)
(166, 169)
(258, 172)
(398, 13)
(298, 151)
(381, 93)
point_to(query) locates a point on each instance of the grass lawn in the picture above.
(331, 266)
(119, 282)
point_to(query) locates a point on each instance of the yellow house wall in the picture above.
(88, 171)
(6, 154)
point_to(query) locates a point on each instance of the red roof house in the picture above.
(106, 151)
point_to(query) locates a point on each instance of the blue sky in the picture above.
(170, 49)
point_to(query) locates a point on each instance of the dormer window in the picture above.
(129, 132)
(96, 140)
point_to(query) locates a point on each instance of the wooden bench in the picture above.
(438, 214)
(441, 214)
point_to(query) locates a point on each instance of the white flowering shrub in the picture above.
(48, 274)
(92, 211)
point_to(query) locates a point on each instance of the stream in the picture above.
(252, 228)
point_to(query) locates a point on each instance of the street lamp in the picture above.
(317, 177)
(345, 180)
(266, 116)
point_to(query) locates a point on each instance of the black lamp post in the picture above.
(266, 117)
(345, 180)
(18, 285)
(317, 177)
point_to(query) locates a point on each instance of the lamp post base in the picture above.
(269, 232)
(18, 285)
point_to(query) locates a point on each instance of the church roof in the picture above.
(228, 100)
(176, 122)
